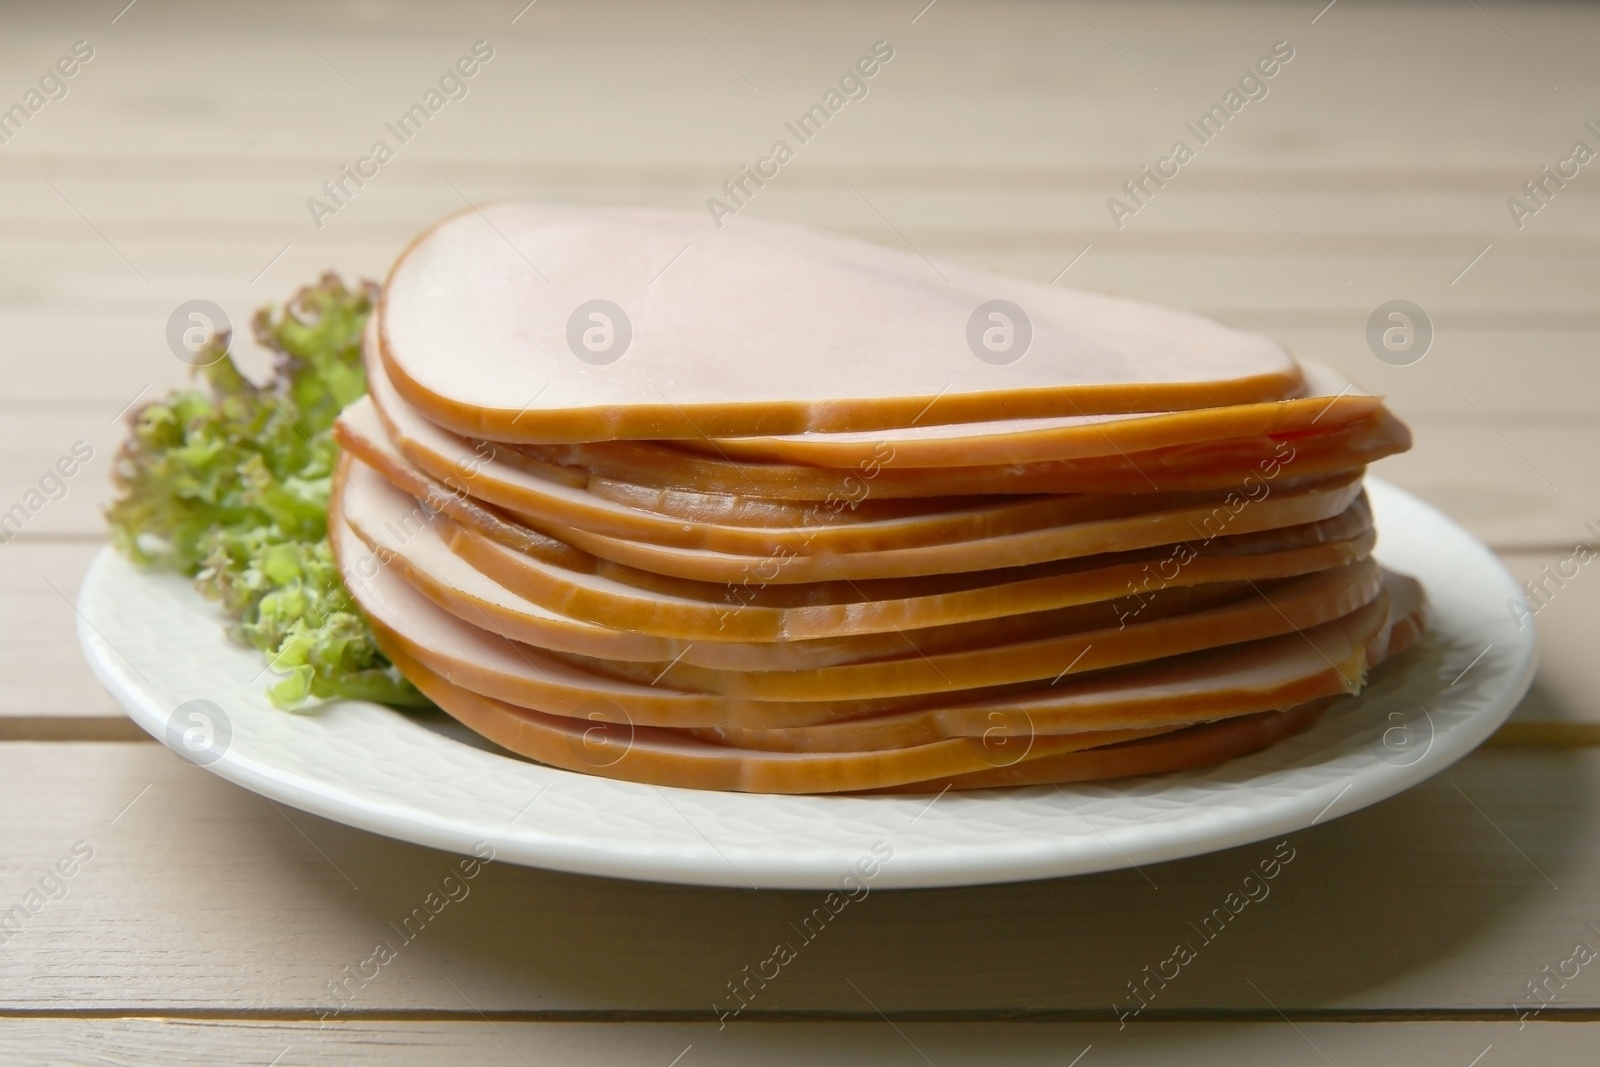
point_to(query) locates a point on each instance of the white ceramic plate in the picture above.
(158, 646)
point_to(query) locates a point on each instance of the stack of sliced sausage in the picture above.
(762, 509)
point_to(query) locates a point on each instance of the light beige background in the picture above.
(1378, 167)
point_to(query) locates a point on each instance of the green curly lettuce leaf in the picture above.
(229, 484)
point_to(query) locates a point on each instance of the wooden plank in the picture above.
(60, 358)
(69, 1042)
(1035, 81)
(1253, 290)
(48, 691)
(1210, 273)
(1514, 481)
(50, 694)
(999, 206)
(1548, 376)
(85, 337)
(1435, 193)
(1565, 605)
(200, 896)
(37, 450)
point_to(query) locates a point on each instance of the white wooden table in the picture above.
(207, 923)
